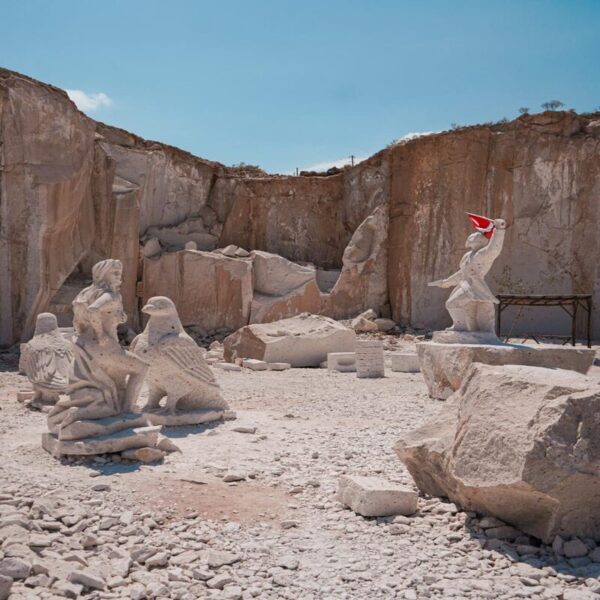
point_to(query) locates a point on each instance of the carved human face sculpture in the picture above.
(476, 241)
(115, 276)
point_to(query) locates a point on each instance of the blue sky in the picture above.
(286, 84)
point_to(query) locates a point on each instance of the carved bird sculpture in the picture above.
(178, 369)
(47, 360)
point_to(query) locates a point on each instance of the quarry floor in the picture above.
(281, 529)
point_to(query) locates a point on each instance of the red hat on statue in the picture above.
(482, 224)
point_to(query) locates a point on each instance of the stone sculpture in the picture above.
(178, 370)
(46, 360)
(105, 380)
(471, 304)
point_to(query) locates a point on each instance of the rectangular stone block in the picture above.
(405, 362)
(254, 364)
(344, 362)
(279, 366)
(376, 497)
(369, 359)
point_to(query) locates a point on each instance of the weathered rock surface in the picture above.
(540, 171)
(76, 191)
(302, 341)
(519, 443)
(282, 288)
(5, 585)
(444, 366)
(211, 291)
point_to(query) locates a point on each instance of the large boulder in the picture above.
(519, 443)
(282, 288)
(444, 366)
(303, 341)
(211, 291)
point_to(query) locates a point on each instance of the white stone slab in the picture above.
(225, 366)
(376, 497)
(369, 359)
(254, 364)
(444, 366)
(279, 366)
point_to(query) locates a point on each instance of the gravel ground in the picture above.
(176, 530)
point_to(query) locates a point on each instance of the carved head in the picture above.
(476, 241)
(108, 273)
(45, 323)
(160, 305)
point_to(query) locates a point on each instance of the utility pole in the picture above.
(352, 159)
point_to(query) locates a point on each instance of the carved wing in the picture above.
(47, 367)
(189, 357)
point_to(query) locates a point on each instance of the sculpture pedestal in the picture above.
(193, 417)
(126, 439)
(444, 365)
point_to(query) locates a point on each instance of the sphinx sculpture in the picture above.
(46, 360)
(178, 371)
(471, 303)
(99, 415)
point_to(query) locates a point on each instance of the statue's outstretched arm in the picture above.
(453, 279)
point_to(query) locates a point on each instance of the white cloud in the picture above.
(342, 162)
(89, 102)
(413, 135)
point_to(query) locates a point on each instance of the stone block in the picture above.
(301, 341)
(344, 362)
(444, 366)
(369, 359)
(279, 366)
(376, 497)
(255, 365)
(226, 366)
(405, 362)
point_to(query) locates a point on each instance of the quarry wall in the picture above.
(74, 191)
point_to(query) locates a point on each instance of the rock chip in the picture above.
(5, 585)
(15, 567)
(218, 582)
(144, 455)
(575, 548)
(87, 578)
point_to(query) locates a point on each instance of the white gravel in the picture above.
(178, 530)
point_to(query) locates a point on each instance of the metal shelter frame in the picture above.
(569, 303)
